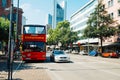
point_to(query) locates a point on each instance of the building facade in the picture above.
(113, 9)
(49, 22)
(49, 19)
(59, 12)
(78, 20)
(5, 4)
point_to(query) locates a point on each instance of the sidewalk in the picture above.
(3, 66)
(22, 74)
(31, 74)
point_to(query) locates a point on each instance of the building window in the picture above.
(4, 3)
(118, 0)
(110, 3)
(119, 12)
(111, 15)
(3, 16)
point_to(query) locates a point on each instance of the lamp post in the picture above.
(10, 44)
(17, 20)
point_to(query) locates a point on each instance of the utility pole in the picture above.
(10, 43)
(17, 22)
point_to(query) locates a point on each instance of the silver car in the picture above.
(59, 56)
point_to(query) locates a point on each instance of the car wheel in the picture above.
(110, 56)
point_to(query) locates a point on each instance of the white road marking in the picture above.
(17, 68)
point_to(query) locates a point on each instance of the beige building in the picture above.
(113, 9)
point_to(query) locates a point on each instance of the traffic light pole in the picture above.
(10, 44)
(17, 20)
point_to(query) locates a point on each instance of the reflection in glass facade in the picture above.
(49, 19)
(4, 3)
(59, 12)
(78, 20)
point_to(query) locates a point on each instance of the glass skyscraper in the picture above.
(59, 12)
(49, 19)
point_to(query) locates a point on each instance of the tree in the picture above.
(99, 24)
(50, 38)
(4, 29)
(62, 34)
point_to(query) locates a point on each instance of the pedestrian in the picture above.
(6, 50)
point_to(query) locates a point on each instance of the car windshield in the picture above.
(58, 52)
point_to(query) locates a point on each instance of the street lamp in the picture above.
(17, 20)
(10, 44)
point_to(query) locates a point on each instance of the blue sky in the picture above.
(36, 11)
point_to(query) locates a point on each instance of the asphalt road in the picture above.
(81, 67)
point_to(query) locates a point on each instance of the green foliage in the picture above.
(62, 33)
(4, 29)
(99, 24)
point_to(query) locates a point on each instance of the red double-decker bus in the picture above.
(33, 42)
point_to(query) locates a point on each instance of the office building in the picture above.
(78, 20)
(59, 12)
(49, 19)
(5, 13)
(113, 9)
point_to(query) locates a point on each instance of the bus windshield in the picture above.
(34, 46)
(34, 29)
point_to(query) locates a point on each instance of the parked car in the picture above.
(110, 53)
(93, 53)
(59, 56)
(67, 51)
(83, 52)
(75, 52)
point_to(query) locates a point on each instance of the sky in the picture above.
(36, 11)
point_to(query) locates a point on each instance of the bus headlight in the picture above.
(43, 56)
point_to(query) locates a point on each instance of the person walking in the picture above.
(6, 50)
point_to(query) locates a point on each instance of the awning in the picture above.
(111, 44)
(91, 45)
(89, 40)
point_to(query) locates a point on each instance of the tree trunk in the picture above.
(101, 44)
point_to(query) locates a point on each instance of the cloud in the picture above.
(26, 6)
(33, 15)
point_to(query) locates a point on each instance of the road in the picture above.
(81, 67)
